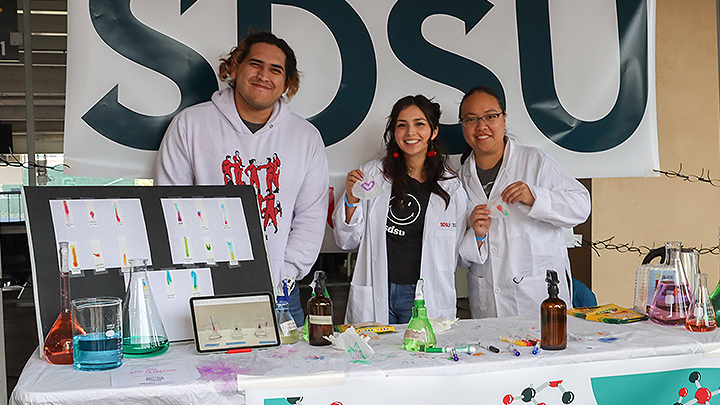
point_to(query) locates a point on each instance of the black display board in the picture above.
(249, 277)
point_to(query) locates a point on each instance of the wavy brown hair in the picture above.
(395, 169)
(239, 53)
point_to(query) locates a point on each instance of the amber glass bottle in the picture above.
(320, 311)
(553, 317)
(58, 342)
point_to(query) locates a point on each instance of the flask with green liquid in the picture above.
(143, 331)
(419, 334)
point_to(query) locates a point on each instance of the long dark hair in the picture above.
(395, 170)
(478, 89)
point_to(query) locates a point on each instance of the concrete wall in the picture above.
(650, 211)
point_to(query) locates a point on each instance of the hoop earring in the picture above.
(431, 151)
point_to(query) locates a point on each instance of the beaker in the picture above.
(97, 343)
(701, 315)
(236, 330)
(261, 323)
(212, 329)
(143, 331)
(690, 260)
(672, 299)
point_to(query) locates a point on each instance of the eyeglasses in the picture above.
(472, 122)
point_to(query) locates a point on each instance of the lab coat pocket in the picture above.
(360, 304)
(445, 243)
(532, 252)
(531, 290)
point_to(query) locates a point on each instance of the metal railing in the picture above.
(11, 207)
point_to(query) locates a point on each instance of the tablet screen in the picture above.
(236, 321)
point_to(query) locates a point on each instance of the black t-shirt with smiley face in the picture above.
(404, 231)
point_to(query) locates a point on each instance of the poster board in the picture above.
(69, 212)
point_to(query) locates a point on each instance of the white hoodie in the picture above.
(289, 169)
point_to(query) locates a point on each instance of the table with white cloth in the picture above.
(639, 363)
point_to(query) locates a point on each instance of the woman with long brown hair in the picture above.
(412, 229)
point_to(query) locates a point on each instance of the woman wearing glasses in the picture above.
(412, 229)
(532, 197)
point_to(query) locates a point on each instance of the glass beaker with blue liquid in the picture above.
(97, 339)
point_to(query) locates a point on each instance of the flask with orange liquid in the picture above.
(58, 342)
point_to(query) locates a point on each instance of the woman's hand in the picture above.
(518, 192)
(352, 177)
(480, 221)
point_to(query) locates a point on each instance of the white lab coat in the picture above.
(507, 274)
(443, 231)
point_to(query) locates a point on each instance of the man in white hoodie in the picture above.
(251, 121)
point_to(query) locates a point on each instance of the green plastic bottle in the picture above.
(419, 334)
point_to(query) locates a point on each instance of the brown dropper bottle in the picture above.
(553, 316)
(320, 310)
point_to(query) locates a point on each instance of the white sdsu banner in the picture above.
(578, 76)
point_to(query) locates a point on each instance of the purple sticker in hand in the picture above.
(368, 186)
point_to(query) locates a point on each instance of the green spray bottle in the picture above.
(419, 334)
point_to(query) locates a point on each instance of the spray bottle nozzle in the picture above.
(419, 295)
(319, 281)
(552, 277)
(553, 281)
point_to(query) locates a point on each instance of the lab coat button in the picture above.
(497, 290)
(493, 249)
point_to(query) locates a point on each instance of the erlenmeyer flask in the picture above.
(701, 315)
(672, 298)
(143, 331)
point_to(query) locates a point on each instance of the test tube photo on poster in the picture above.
(199, 230)
(104, 233)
